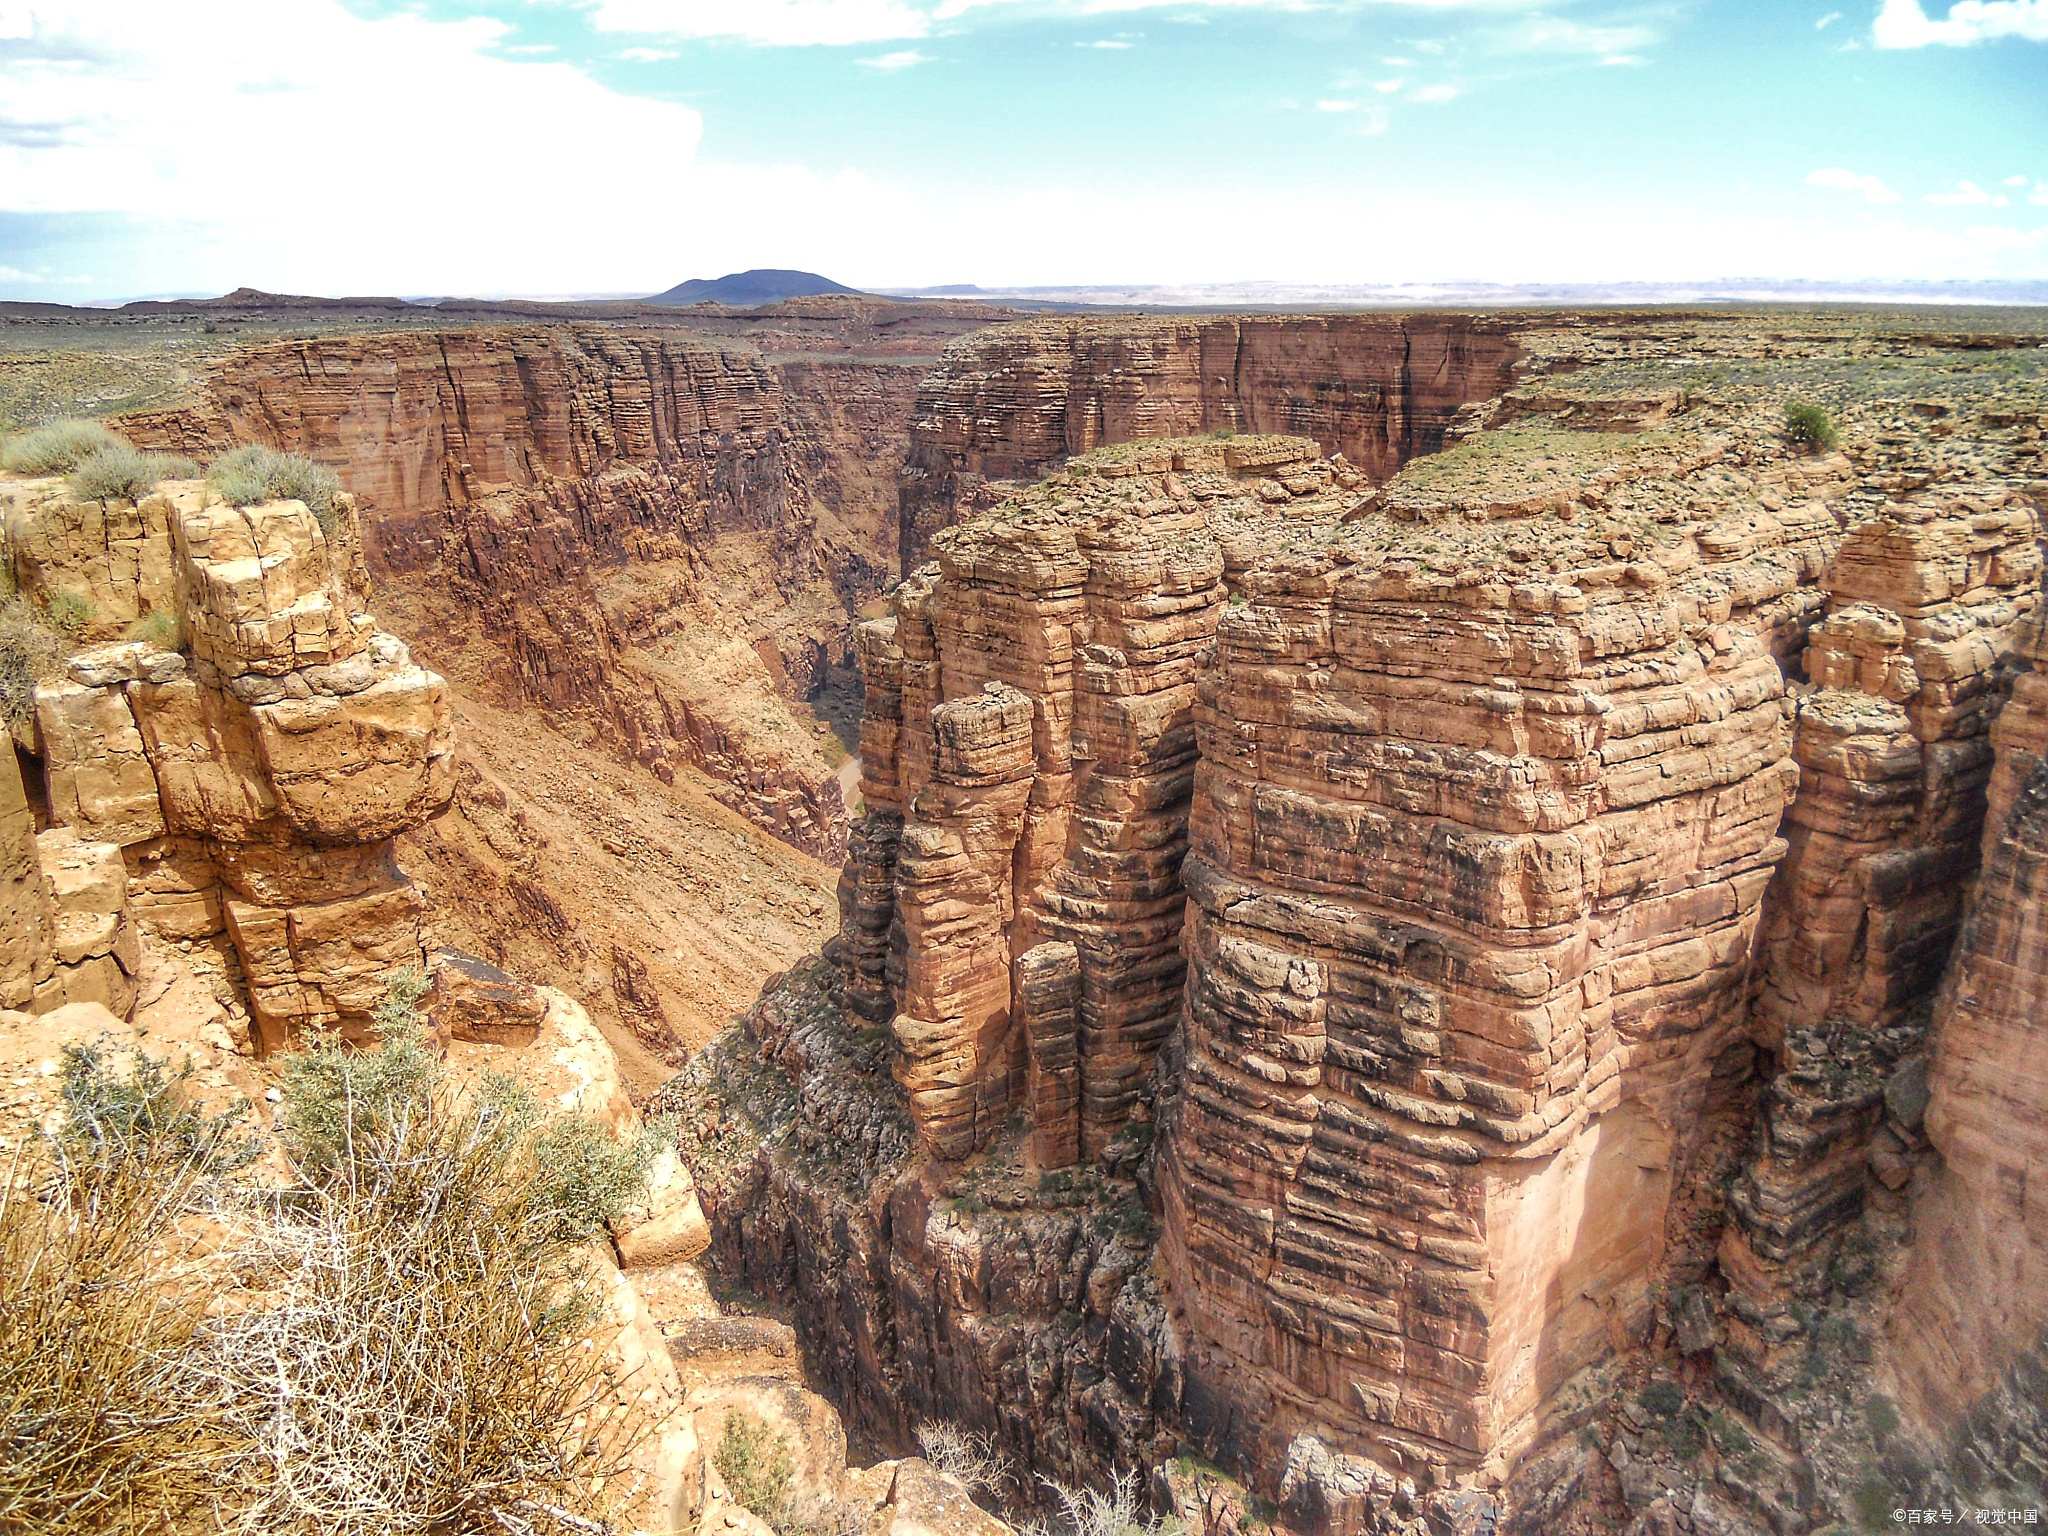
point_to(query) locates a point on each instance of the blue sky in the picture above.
(587, 146)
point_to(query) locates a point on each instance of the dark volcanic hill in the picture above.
(763, 285)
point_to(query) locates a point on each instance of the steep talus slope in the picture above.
(1009, 403)
(1425, 993)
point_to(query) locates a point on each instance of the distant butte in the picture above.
(761, 285)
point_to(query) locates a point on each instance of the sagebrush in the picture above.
(251, 474)
(118, 472)
(407, 1349)
(56, 449)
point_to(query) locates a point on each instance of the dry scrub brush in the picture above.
(57, 448)
(394, 1336)
(100, 1425)
(253, 473)
(972, 1460)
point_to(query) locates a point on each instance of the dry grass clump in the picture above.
(250, 474)
(392, 1334)
(56, 449)
(118, 472)
(102, 1423)
(31, 652)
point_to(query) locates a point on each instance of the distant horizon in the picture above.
(1265, 291)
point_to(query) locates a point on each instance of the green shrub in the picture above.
(123, 1106)
(120, 473)
(1874, 1503)
(1662, 1398)
(339, 1100)
(70, 613)
(588, 1175)
(253, 473)
(1808, 423)
(1882, 1415)
(31, 652)
(159, 627)
(56, 449)
(755, 1464)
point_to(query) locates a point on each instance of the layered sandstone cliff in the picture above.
(1477, 935)
(241, 772)
(1011, 402)
(644, 535)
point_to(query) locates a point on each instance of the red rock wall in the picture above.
(618, 515)
(1475, 866)
(1009, 402)
(1908, 671)
(1977, 1293)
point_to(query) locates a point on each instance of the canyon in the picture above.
(1437, 926)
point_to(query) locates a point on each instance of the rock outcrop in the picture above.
(1976, 1305)
(1908, 671)
(1378, 975)
(1011, 402)
(243, 770)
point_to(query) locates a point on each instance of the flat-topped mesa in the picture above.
(1010, 402)
(1487, 801)
(1908, 672)
(251, 760)
(1013, 898)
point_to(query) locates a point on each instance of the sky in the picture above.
(558, 147)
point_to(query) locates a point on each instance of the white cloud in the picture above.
(906, 58)
(647, 55)
(1906, 24)
(1106, 42)
(1338, 106)
(2039, 196)
(841, 22)
(1435, 93)
(1554, 34)
(837, 22)
(1836, 179)
(2015, 181)
(1388, 87)
(1828, 20)
(1967, 194)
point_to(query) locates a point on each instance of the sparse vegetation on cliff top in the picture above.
(121, 473)
(251, 474)
(56, 449)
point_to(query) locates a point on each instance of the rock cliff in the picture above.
(1009, 403)
(1393, 987)
(242, 772)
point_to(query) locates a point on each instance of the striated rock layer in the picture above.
(242, 771)
(1013, 401)
(1977, 1295)
(1479, 843)
(1908, 671)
